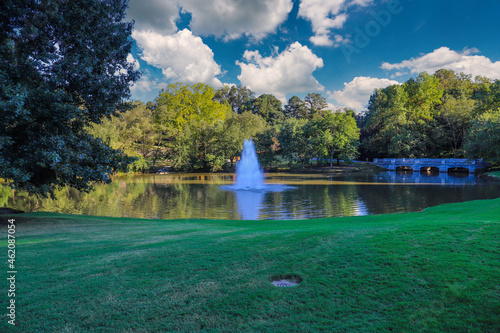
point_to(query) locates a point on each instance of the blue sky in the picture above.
(343, 49)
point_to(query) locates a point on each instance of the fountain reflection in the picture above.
(360, 208)
(249, 204)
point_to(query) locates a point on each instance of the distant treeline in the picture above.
(196, 127)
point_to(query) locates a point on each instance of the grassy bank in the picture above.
(495, 174)
(435, 271)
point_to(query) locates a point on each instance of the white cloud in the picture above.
(145, 84)
(356, 93)
(285, 73)
(229, 19)
(155, 15)
(233, 18)
(146, 89)
(181, 57)
(131, 59)
(445, 58)
(325, 16)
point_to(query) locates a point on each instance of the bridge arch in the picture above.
(459, 170)
(404, 168)
(429, 169)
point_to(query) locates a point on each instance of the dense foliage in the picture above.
(483, 139)
(441, 115)
(198, 128)
(63, 65)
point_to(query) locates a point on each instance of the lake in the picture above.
(195, 195)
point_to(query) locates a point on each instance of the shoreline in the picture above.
(12, 213)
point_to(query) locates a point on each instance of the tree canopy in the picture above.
(428, 116)
(198, 128)
(63, 66)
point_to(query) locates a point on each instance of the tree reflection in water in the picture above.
(200, 196)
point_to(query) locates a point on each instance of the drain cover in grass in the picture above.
(285, 283)
(286, 280)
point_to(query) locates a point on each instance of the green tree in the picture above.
(341, 135)
(386, 123)
(269, 108)
(296, 108)
(295, 140)
(455, 116)
(400, 118)
(459, 86)
(483, 139)
(236, 129)
(195, 120)
(315, 104)
(482, 91)
(132, 132)
(239, 98)
(63, 66)
(268, 146)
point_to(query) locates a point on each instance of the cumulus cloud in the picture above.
(181, 57)
(131, 59)
(155, 15)
(286, 72)
(145, 84)
(229, 19)
(233, 18)
(443, 57)
(356, 93)
(146, 89)
(326, 16)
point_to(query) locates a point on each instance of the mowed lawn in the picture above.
(434, 271)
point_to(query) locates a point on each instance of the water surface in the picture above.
(174, 196)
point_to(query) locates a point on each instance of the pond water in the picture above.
(174, 196)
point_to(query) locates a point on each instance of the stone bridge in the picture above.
(430, 164)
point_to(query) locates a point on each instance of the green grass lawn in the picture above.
(494, 174)
(435, 271)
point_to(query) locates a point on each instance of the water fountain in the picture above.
(249, 176)
(249, 186)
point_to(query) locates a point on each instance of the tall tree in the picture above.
(237, 128)
(455, 116)
(315, 104)
(269, 108)
(400, 118)
(459, 86)
(385, 124)
(341, 135)
(268, 146)
(239, 98)
(296, 142)
(296, 108)
(63, 65)
(483, 139)
(196, 119)
(132, 132)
